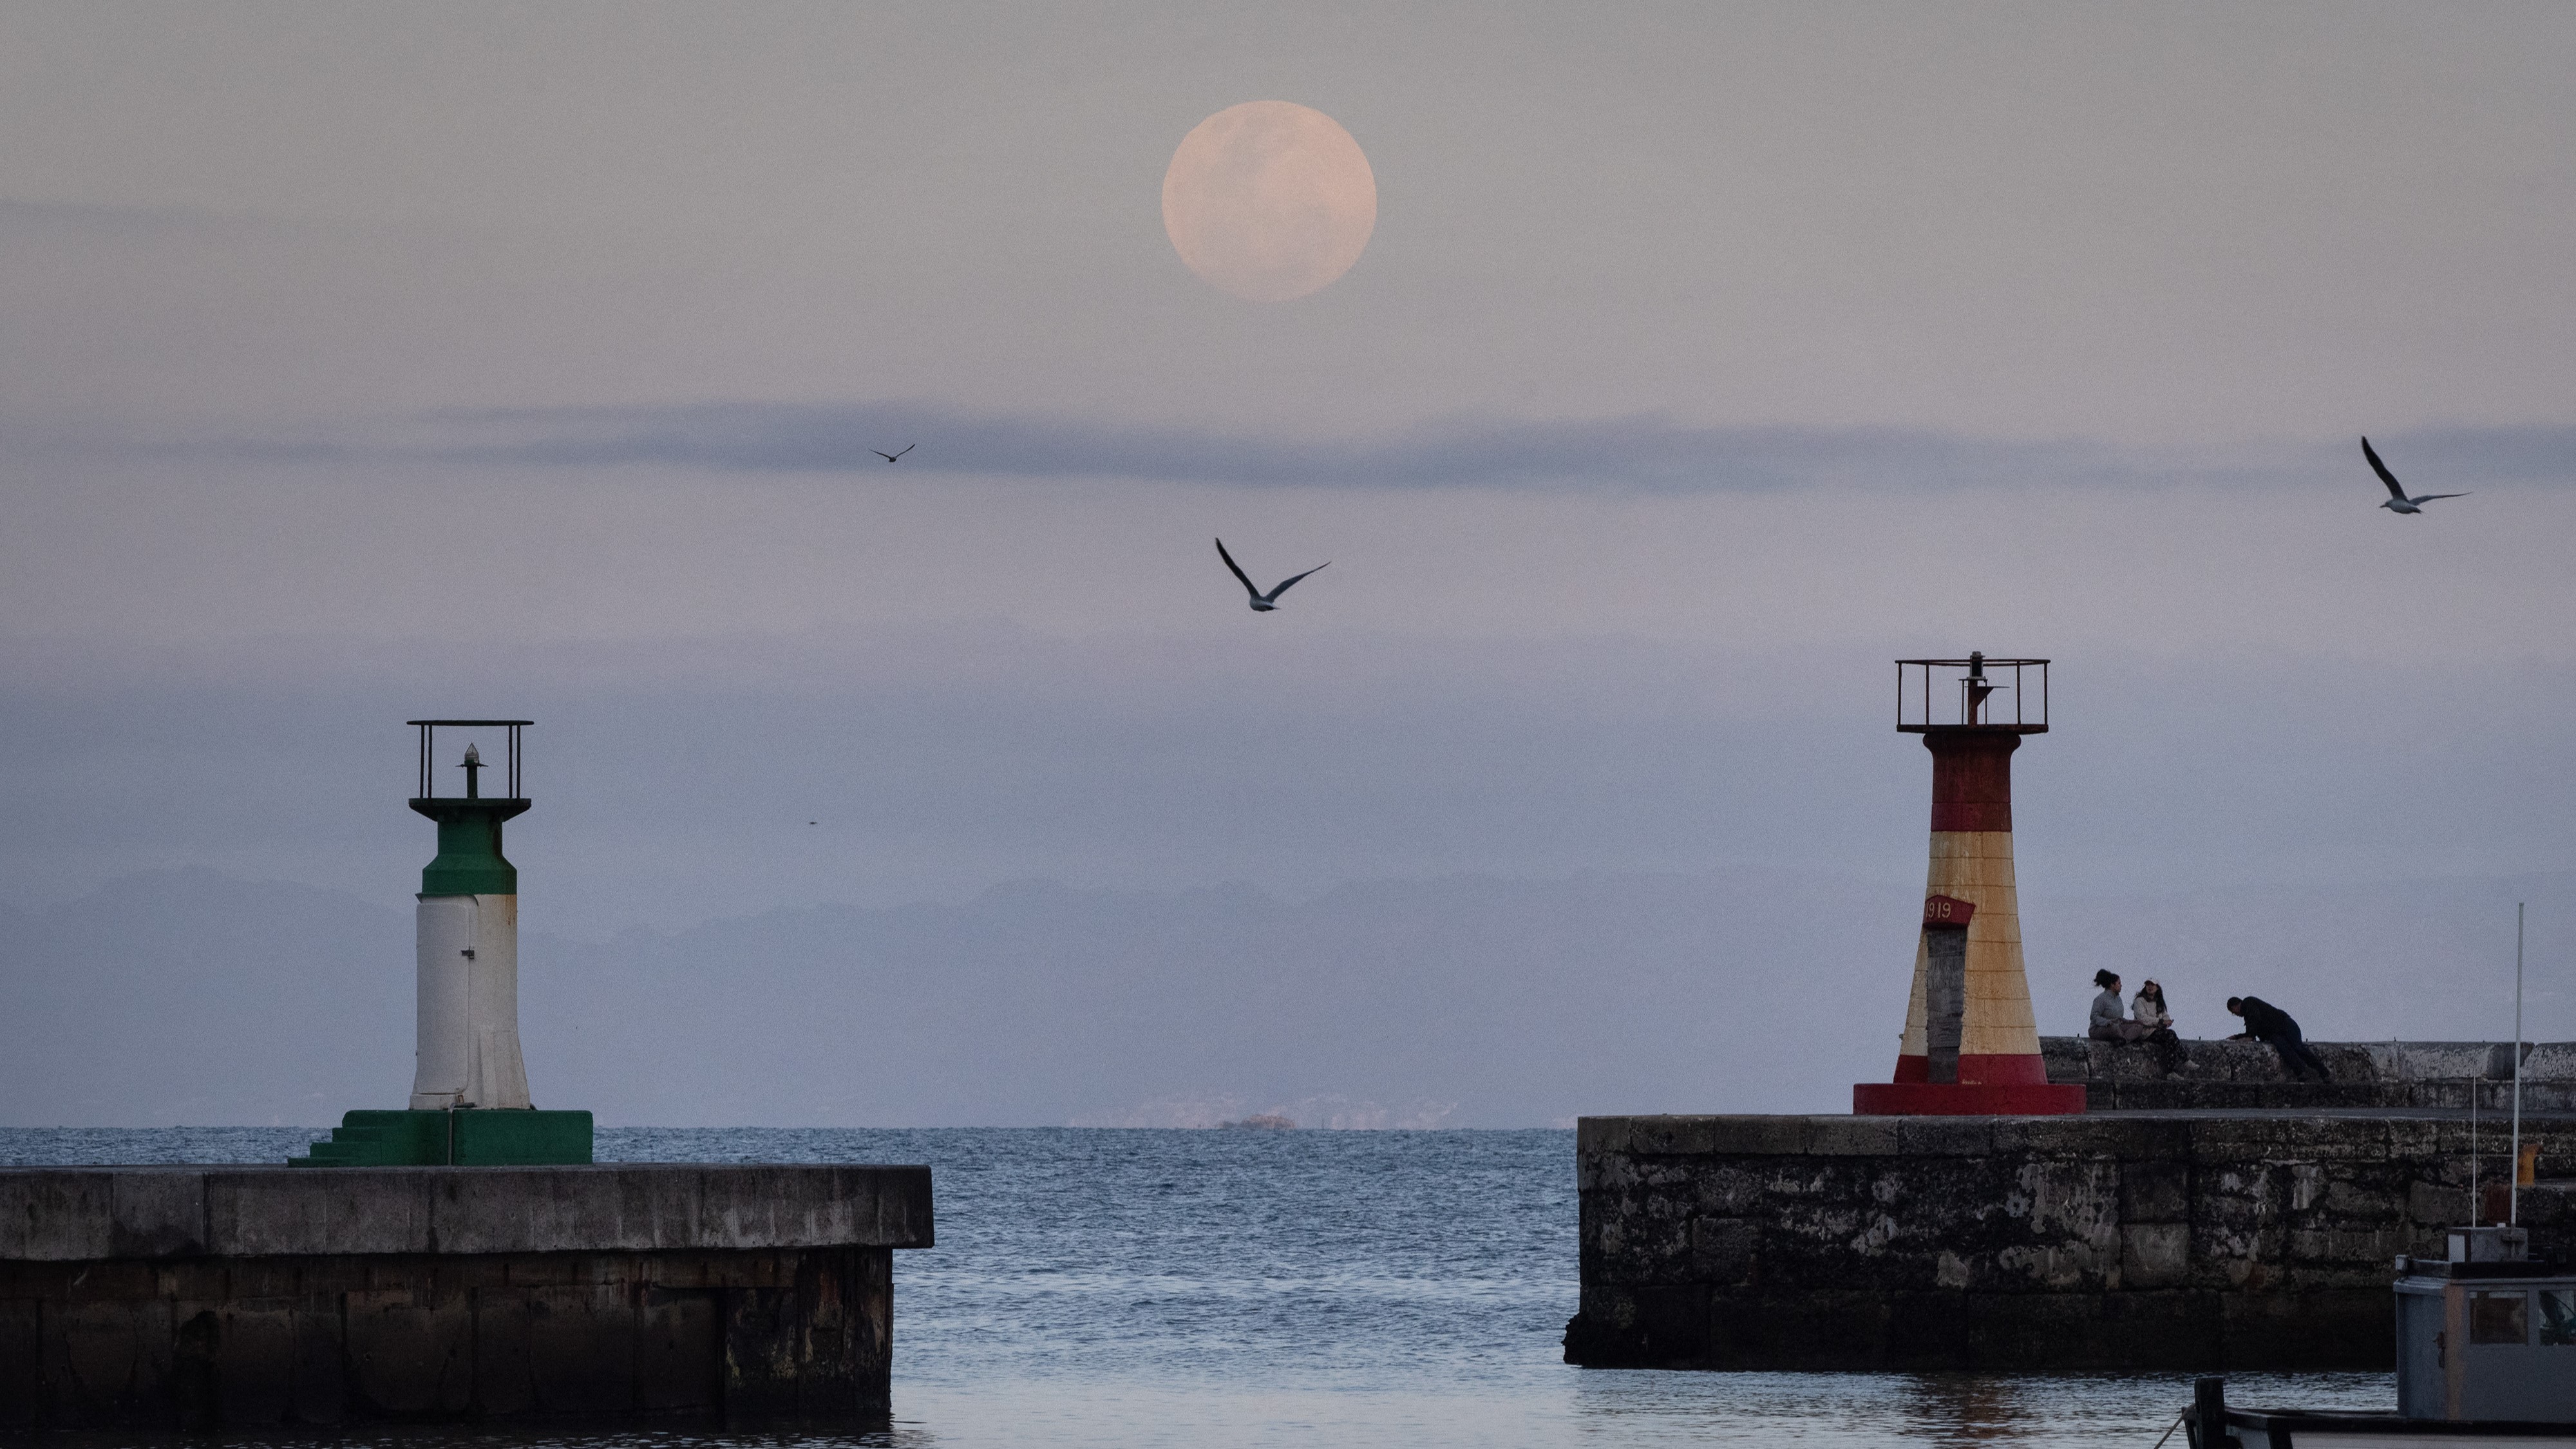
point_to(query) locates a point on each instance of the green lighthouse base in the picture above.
(465, 1137)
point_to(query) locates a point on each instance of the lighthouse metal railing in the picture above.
(428, 748)
(1979, 679)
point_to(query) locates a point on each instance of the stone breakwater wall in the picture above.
(234, 1297)
(2208, 1242)
(2203, 1075)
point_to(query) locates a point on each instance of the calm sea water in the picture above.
(1362, 1289)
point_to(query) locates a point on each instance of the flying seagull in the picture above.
(2397, 500)
(1261, 603)
(890, 457)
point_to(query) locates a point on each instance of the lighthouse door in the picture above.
(1945, 999)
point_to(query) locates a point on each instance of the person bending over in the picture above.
(2267, 1023)
(2110, 1023)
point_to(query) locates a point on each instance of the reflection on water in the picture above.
(1211, 1289)
(1570, 1408)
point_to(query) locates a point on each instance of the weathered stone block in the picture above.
(2430, 1203)
(2073, 1199)
(2305, 1139)
(1669, 1136)
(1722, 1250)
(2155, 1255)
(1854, 1136)
(2155, 1190)
(1594, 1170)
(2374, 1199)
(1652, 1245)
(154, 1215)
(1752, 1136)
(265, 1213)
(1598, 1136)
(1724, 1186)
(60, 1216)
(2053, 1269)
(1946, 1136)
(2375, 1248)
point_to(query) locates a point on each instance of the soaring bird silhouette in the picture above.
(890, 457)
(2397, 500)
(1262, 603)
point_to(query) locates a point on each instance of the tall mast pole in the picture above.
(2513, 1194)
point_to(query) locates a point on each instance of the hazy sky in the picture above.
(360, 362)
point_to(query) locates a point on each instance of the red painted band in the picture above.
(1971, 815)
(1967, 1099)
(2017, 1070)
(1971, 769)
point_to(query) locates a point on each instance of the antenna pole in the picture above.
(2513, 1194)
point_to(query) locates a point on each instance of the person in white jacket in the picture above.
(2147, 1008)
(2155, 1025)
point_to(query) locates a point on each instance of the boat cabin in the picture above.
(2486, 1354)
(2486, 1334)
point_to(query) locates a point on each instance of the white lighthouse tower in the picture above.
(468, 933)
(469, 1088)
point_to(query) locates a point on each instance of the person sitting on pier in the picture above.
(2147, 1009)
(2110, 1023)
(2267, 1023)
(2147, 1012)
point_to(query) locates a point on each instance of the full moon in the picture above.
(1269, 200)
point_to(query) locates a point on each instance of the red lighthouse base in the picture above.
(2002, 1086)
(1967, 1099)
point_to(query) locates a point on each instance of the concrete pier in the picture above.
(2249, 1235)
(2207, 1241)
(231, 1297)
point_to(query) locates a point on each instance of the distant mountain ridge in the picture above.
(191, 997)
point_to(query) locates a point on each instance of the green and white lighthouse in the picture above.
(469, 1092)
(469, 945)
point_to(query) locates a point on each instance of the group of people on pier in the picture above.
(2147, 1020)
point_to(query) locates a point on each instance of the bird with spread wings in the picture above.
(1261, 603)
(2398, 502)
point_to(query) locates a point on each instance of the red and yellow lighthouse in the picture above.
(1971, 1046)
